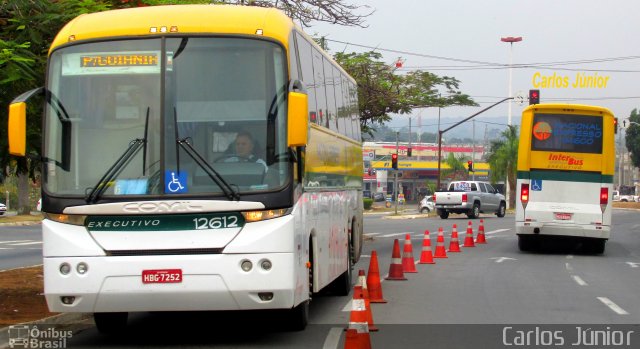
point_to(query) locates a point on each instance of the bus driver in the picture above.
(244, 150)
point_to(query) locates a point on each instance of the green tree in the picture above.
(457, 169)
(26, 29)
(632, 138)
(381, 91)
(503, 159)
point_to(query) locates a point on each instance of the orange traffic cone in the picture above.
(357, 337)
(426, 257)
(480, 239)
(361, 309)
(408, 265)
(373, 280)
(454, 244)
(440, 251)
(395, 269)
(362, 282)
(468, 240)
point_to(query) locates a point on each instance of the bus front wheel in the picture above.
(110, 323)
(299, 316)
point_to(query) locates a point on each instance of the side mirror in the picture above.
(297, 115)
(18, 128)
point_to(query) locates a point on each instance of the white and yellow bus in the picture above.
(148, 207)
(565, 174)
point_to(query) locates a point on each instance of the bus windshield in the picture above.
(163, 116)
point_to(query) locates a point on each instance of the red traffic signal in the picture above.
(470, 165)
(534, 97)
(394, 161)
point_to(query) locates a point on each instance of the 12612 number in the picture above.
(216, 222)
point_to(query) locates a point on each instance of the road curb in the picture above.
(60, 319)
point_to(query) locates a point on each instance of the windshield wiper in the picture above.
(117, 167)
(227, 189)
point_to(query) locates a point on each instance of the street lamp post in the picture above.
(510, 40)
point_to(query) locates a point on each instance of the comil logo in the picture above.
(542, 131)
(38, 336)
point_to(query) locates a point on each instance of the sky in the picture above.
(552, 31)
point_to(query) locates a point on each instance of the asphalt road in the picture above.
(479, 297)
(20, 246)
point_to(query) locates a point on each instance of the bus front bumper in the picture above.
(209, 282)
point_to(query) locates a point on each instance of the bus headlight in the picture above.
(265, 264)
(256, 216)
(82, 268)
(65, 268)
(66, 218)
(246, 265)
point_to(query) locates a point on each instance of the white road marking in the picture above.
(579, 280)
(612, 306)
(632, 264)
(365, 256)
(570, 257)
(347, 307)
(568, 266)
(502, 259)
(26, 243)
(14, 241)
(496, 231)
(333, 338)
(395, 234)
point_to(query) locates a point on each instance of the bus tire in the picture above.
(111, 323)
(597, 246)
(502, 210)
(444, 214)
(475, 211)
(299, 317)
(524, 243)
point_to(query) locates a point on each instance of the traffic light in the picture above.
(409, 152)
(534, 97)
(470, 165)
(394, 161)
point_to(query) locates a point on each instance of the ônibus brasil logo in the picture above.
(542, 131)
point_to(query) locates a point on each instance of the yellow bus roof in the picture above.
(191, 19)
(547, 106)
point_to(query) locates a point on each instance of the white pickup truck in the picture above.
(624, 198)
(470, 198)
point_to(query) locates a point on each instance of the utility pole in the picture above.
(395, 179)
(473, 151)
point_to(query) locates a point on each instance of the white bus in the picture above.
(148, 206)
(565, 175)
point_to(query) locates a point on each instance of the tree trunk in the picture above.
(24, 206)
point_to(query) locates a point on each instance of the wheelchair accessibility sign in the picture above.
(175, 182)
(536, 184)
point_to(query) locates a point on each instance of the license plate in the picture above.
(162, 276)
(563, 216)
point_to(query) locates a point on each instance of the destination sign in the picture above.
(119, 60)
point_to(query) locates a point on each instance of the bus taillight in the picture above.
(524, 194)
(604, 198)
